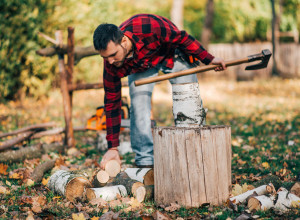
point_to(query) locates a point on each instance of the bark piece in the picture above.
(296, 189)
(38, 172)
(107, 193)
(29, 128)
(69, 184)
(264, 189)
(112, 167)
(262, 202)
(131, 185)
(143, 175)
(100, 178)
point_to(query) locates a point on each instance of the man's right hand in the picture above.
(111, 154)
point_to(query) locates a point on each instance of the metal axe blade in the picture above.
(264, 56)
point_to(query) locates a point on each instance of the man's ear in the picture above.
(124, 41)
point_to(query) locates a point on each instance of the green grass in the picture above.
(265, 121)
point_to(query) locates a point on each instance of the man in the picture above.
(139, 48)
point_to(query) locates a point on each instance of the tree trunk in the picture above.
(192, 165)
(208, 24)
(177, 13)
(275, 38)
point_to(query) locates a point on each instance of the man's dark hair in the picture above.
(105, 33)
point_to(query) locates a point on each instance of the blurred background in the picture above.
(227, 28)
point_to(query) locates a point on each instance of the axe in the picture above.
(264, 56)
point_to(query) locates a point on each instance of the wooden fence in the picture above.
(288, 60)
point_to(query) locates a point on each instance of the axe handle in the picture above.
(187, 72)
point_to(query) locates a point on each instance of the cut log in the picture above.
(296, 189)
(131, 185)
(143, 175)
(149, 192)
(30, 152)
(112, 167)
(29, 128)
(69, 184)
(262, 202)
(261, 190)
(286, 200)
(192, 165)
(40, 170)
(100, 178)
(107, 193)
(12, 142)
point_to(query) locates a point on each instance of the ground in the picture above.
(264, 116)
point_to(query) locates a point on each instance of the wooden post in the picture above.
(192, 166)
(69, 135)
(70, 68)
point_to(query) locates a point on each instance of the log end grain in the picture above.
(76, 187)
(254, 204)
(140, 194)
(149, 178)
(90, 194)
(112, 167)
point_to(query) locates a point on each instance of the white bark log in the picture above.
(187, 105)
(262, 202)
(139, 174)
(107, 193)
(71, 185)
(264, 189)
(286, 200)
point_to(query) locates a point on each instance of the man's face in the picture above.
(115, 54)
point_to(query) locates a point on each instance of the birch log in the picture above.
(107, 193)
(112, 167)
(262, 202)
(192, 166)
(286, 200)
(143, 175)
(100, 179)
(261, 190)
(69, 184)
(187, 105)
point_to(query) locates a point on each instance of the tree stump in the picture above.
(192, 166)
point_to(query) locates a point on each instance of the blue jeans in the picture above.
(140, 110)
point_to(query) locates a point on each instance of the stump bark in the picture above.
(192, 166)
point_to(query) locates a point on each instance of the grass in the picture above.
(264, 116)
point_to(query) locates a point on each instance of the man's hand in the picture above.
(219, 61)
(111, 154)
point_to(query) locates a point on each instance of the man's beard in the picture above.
(120, 63)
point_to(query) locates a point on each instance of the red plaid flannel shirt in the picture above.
(154, 39)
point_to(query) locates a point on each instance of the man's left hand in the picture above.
(219, 61)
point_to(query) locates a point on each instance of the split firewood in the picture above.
(112, 167)
(107, 193)
(262, 202)
(131, 185)
(38, 172)
(100, 178)
(29, 128)
(296, 189)
(12, 142)
(69, 184)
(144, 175)
(29, 152)
(262, 190)
(286, 200)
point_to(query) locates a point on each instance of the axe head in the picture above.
(264, 56)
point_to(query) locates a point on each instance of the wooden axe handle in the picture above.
(188, 71)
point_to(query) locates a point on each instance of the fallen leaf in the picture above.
(265, 165)
(29, 182)
(95, 218)
(30, 216)
(99, 202)
(45, 181)
(237, 190)
(4, 190)
(160, 216)
(79, 216)
(3, 168)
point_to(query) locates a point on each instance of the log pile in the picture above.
(107, 184)
(266, 197)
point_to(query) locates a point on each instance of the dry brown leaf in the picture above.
(160, 216)
(114, 203)
(173, 207)
(78, 216)
(95, 218)
(30, 216)
(45, 181)
(99, 202)
(3, 168)
(4, 190)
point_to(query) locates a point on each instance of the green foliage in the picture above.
(20, 68)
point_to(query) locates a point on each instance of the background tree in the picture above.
(177, 13)
(208, 23)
